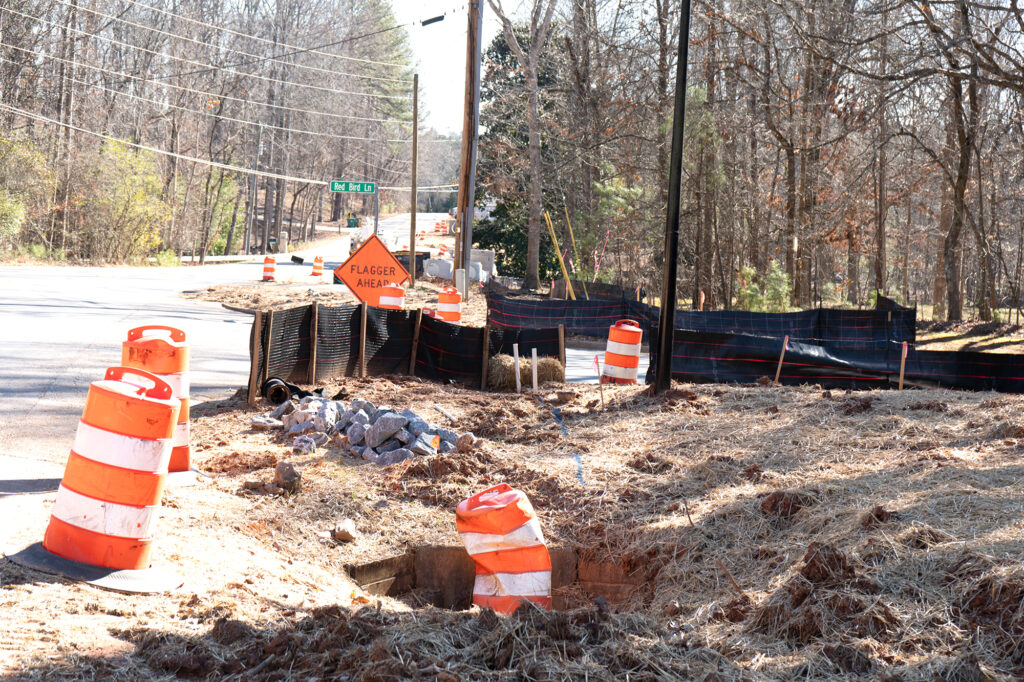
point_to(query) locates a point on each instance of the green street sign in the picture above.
(353, 187)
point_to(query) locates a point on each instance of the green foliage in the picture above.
(12, 215)
(27, 184)
(221, 212)
(763, 292)
(167, 259)
(37, 251)
(120, 209)
(505, 232)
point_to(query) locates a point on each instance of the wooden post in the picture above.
(412, 215)
(487, 357)
(778, 370)
(311, 372)
(903, 363)
(415, 342)
(515, 356)
(266, 349)
(254, 355)
(561, 346)
(470, 120)
(362, 341)
(533, 367)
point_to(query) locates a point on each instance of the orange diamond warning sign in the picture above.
(369, 269)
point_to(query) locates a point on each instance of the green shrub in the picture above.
(167, 258)
(12, 215)
(767, 293)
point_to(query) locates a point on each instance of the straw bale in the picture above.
(501, 374)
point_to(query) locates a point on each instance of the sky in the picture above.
(440, 52)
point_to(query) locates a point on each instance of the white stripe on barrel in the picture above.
(619, 372)
(449, 307)
(391, 300)
(533, 584)
(98, 516)
(122, 451)
(181, 434)
(527, 535)
(631, 349)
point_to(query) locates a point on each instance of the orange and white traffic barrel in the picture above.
(443, 252)
(622, 358)
(162, 351)
(502, 534)
(449, 304)
(268, 269)
(392, 297)
(318, 267)
(115, 475)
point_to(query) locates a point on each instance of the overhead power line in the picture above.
(155, 150)
(222, 117)
(209, 67)
(266, 41)
(204, 93)
(230, 49)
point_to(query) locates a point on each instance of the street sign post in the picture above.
(351, 187)
(369, 269)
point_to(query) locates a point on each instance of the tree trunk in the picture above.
(532, 279)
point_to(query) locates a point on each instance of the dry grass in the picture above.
(865, 533)
(501, 372)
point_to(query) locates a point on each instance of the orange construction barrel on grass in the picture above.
(622, 357)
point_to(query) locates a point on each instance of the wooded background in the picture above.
(833, 149)
(104, 104)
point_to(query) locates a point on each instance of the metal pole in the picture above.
(663, 373)
(376, 208)
(251, 216)
(413, 202)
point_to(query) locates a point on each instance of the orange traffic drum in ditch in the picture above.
(501, 532)
(162, 350)
(115, 475)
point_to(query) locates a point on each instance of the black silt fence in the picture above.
(450, 353)
(709, 357)
(337, 334)
(308, 344)
(587, 318)
(389, 335)
(286, 344)
(546, 341)
(853, 329)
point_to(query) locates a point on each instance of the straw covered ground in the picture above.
(773, 533)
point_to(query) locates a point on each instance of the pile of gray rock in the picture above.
(377, 434)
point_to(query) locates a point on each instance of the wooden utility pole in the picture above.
(666, 326)
(413, 202)
(470, 121)
(251, 216)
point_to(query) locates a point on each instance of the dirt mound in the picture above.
(784, 503)
(825, 599)
(235, 463)
(372, 644)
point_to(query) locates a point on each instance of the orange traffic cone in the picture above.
(268, 269)
(318, 267)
